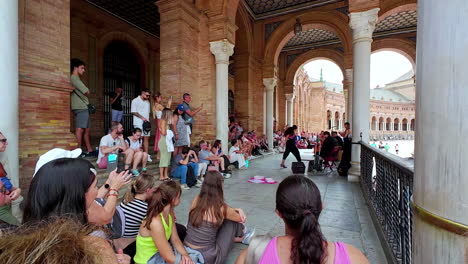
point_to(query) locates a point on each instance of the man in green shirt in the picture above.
(79, 104)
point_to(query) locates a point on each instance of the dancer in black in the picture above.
(290, 135)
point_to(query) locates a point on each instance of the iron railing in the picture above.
(387, 184)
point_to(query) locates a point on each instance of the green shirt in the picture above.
(145, 247)
(78, 99)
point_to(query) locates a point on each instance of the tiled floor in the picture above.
(345, 217)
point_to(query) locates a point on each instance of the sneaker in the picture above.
(198, 185)
(283, 166)
(149, 159)
(249, 234)
(144, 169)
(135, 173)
(227, 175)
(185, 187)
(199, 182)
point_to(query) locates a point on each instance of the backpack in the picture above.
(191, 179)
(117, 225)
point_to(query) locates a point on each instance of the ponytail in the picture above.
(309, 245)
(138, 186)
(299, 203)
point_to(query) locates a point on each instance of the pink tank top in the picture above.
(270, 256)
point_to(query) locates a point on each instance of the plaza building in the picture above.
(241, 57)
(320, 105)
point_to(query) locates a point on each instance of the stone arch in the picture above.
(141, 52)
(396, 124)
(412, 124)
(388, 122)
(404, 124)
(243, 45)
(315, 54)
(404, 47)
(374, 123)
(333, 21)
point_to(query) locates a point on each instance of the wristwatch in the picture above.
(107, 186)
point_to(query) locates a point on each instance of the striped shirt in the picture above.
(135, 212)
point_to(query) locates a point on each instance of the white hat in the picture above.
(56, 153)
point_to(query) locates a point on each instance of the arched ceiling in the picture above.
(143, 14)
(260, 9)
(312, 36)
(405, 21)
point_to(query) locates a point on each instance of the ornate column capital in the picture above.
(363, 24)
(289, 97)
(270, 84)
(222, 50)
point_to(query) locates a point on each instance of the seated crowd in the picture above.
(69, 219)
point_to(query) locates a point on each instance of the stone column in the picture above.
(289, 108)
(349, 96)
(392, 126)
(270, 84)
(222, 49)
(440, 195)
(9, 90)
(363, 25)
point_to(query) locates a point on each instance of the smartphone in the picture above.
(120, 162)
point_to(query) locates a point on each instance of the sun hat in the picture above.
(56, 153)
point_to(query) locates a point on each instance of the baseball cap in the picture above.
(181, 107)
(56, 153)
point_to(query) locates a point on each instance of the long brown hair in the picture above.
(162, 196)
(210, 201)
(57, 240)
(144, 182)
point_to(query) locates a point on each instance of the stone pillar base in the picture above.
(354, 172)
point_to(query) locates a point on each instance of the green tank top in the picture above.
(145, 247)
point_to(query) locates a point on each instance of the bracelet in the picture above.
(113, 195)
(115, 190)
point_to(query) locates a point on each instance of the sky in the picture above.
(386, 66)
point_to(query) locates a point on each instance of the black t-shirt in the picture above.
(117, 105)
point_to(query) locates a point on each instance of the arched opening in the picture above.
(396, 124)
(412, 124)
(337, 121)
(405, 124)
(388, 123)
(329, 124)
(374, 123)
(121, 68)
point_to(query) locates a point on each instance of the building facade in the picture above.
(320, 105)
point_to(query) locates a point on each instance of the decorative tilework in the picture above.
(397, 21)
(269, 28)
(311, 36)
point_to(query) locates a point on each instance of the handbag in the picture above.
(91, 108)
(298, 167)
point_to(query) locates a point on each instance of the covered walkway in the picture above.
(345, 217)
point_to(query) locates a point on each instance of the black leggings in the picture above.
(291, 148)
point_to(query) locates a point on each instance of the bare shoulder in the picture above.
(356, 255)
(194, 202)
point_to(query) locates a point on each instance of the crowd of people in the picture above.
(67, 218)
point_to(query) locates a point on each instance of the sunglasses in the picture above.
(4, 140)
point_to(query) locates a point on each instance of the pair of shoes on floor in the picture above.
(248, 235)
(185, 187)
(283, 166)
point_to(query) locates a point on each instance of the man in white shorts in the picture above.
(141, 111)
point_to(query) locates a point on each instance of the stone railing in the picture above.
(387, 184)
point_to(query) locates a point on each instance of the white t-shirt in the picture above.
(107, 141)
(141, 107)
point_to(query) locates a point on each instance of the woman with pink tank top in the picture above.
(298, 204)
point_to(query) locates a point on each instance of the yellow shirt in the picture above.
(145, 247)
